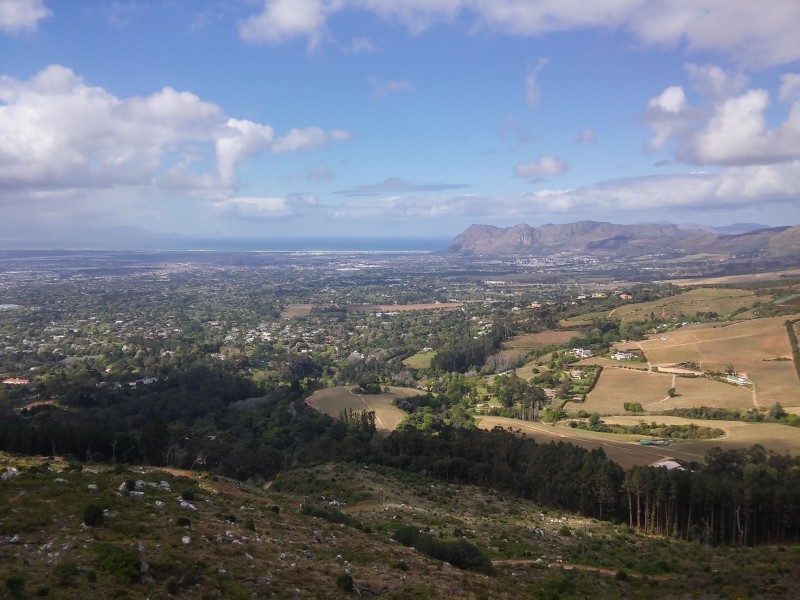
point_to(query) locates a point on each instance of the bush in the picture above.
(15, 586)
(122, 563)
(459, 553)
(345, 582)
(93, 515)
(331, 515)
(184, 522)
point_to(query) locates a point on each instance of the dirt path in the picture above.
(574, 567)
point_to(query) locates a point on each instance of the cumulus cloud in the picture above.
(284, 19)
(754, 33)
(732, 129)
(714, 82)
(738, 134)
(60, 132)
(21, 15)
(668, 115)
(533, 90)
(542, 167)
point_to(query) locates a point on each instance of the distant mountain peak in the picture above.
(608, 239)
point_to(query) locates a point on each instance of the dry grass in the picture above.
(718, 300)
(297, 310)
(759, 349)
(531, 341)
(618, 386)
(622, 449)
(429, 306)
(332, 401)
(749, 278)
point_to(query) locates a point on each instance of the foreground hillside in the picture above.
(328, 532)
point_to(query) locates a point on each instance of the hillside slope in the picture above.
(164, 535)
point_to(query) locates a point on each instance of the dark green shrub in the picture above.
(15, 586)
(172, 585)
(184, 522)
(122, 563)
(93, 515)
(458, 553)
(331, 515)
(345, 582)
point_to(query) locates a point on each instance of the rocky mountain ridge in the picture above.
(609, 239)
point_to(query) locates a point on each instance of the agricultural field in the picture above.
(420, 360)
(719, 300)
(621, 448)
(544, 339)
(618, 386)
(625, 450)
(614, 364)
(429, 306)
(332, 401)
(296, 310)
(758, 349)
(526, 371)
(738, 279)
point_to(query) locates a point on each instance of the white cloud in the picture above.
(21, 15)
(790, 88)
(754, 33)
(384, 88)
(744, 188)
(533, 90)
(714, 82)
(737, 134)
(284, 19)
(542, 167)
(732, 128)
(668, 115)
(269, 207)
(59, 132)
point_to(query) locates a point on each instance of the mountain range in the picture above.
(595, 238)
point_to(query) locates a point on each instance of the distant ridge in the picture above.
(608, 239)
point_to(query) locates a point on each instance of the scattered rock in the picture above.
(186, 539)
(91, 487)
(9, 473)
(135, 494)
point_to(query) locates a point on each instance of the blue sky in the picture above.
(393, 118)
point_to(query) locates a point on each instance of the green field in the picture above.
(332, 401)
(420, 360)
